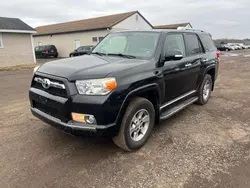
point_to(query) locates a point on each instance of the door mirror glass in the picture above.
(173, 55)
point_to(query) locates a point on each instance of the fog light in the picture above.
(90, 119)
(83, 118)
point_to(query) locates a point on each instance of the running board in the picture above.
(177, 108)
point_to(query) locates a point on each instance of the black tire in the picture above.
(202, 100)
(123, 139)
(55, 56)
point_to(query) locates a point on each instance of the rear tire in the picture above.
(136, 126)
(55, 56)
(205, 90)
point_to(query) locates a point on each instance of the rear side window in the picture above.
(193, 44)
(208, 43)
(87, 48)
(174, 42)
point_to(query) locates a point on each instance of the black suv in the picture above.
(46, 51)
(82, 50)
(130, 81)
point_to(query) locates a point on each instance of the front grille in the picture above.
(47, 109)
(52, 90)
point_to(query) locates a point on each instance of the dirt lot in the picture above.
(203, 146)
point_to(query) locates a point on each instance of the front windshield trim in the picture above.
(136, 56)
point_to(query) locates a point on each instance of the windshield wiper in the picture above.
(98, 53)
(124, 55)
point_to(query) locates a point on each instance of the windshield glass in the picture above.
(138, 44)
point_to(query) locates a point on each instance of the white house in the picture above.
(16, 42)
(70, 35)
(174, 26)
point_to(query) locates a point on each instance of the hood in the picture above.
(88, 66)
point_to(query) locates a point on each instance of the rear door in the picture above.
(176, 77)
(194, 58)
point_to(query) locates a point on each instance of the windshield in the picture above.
(138, 44)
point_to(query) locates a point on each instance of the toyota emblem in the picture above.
(46, 83)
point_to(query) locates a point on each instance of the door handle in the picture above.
(204, 60)
(188, 65)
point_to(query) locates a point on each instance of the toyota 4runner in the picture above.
(130, 81)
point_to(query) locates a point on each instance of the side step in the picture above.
(177, 108)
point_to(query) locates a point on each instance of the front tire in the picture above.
(205, 90)
(136, 126)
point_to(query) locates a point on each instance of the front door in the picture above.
(77, 44)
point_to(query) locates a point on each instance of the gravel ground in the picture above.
(202, 146)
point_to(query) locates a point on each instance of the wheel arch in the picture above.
(150, 92)
(212, 72)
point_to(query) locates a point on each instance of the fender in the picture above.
(205, 72)
(208, 68)
(131, 94)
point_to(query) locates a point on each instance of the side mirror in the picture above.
(173, 55)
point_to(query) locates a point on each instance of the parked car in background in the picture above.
(81, 51)
(46, 51)
(129, 82)
(223, 47)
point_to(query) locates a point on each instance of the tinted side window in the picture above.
(80, 49)
(87, 48)
(193, 44)
(208, 43)
(174, 42)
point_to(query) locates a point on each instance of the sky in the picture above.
(221, 18)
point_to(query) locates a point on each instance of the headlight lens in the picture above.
(35, 69)
(96, 86)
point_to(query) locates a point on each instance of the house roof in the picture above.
(14, 25)
(172, 26)
(86, 24)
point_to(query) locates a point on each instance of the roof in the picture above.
(172, 26)
(187, 30)
(14, 25)
(86, 24)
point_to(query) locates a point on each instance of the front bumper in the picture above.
(74, 128)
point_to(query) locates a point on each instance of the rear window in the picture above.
(40, 48)
(208, 43)
(193, 44)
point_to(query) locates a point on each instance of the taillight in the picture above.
(217, 53)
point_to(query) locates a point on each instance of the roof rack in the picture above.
(189, 29)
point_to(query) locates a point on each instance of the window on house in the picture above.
(1, 40)
(136, 17)
(101, 38)
(94, 39)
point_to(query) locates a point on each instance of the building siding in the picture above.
(65, 43)
(17, 49)
(133, 22)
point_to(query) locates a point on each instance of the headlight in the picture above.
(35, 69)
(96, 86)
